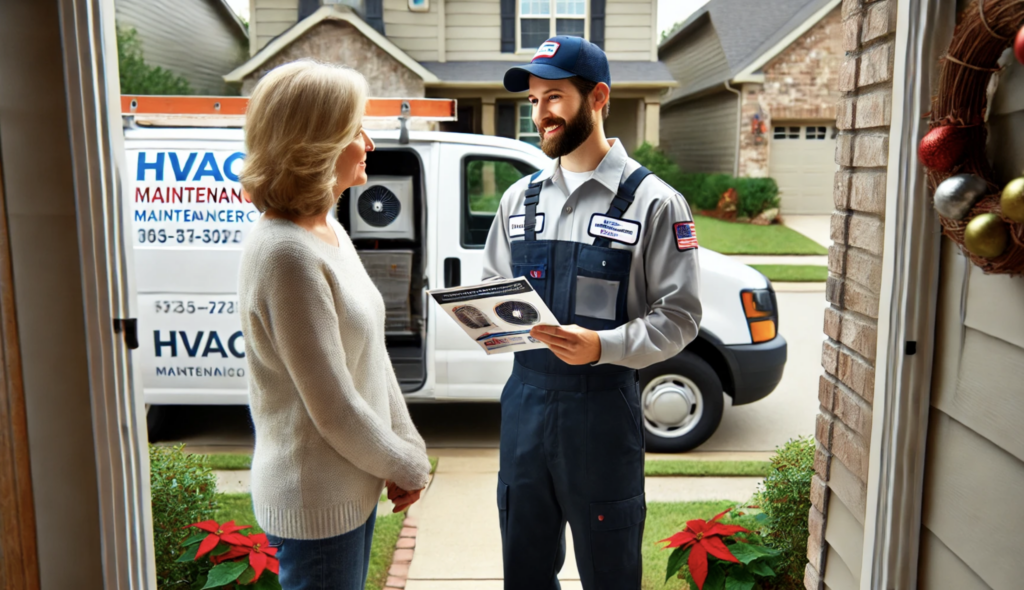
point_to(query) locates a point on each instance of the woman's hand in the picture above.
(402, 499)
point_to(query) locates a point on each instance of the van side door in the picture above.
(472, 180)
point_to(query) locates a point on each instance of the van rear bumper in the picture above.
(756, 368)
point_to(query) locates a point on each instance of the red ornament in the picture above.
(942, 148)
(1018, 45)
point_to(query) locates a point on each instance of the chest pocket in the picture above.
(530, 260)
(602, 285)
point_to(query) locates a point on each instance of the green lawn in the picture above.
(238, 507)
(666, 468)
(744, 238)
(793, 273)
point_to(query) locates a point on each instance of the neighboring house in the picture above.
(196, 39)
(758, 85)
(461, 48)
(920, 457)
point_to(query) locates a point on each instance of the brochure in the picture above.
(497, 315)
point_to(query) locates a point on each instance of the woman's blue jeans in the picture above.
(337, 563)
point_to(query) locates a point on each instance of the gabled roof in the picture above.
(750, 32)
(327, 13)
(489, 74)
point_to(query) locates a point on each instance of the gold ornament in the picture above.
(1012, 201)
(986, 236)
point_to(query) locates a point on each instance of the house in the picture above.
(196, 39)
(920, 457)
(758, 85)
(462, 48)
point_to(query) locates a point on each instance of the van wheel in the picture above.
(682, 403)
(156, 417)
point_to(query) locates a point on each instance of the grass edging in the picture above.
(684, 468)
(727, 237)
(793, 273)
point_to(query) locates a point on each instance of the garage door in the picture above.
(803, 164)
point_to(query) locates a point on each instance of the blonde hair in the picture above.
(300, 117)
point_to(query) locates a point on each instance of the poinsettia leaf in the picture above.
(715, 579)
(745, 552)
(196, 538)
(247, 576)
(267, 581)
(761, 517)
(224, 574)
(220, 549)
(698, 563)
(199, 583)
(758, 567)
(677, 540)
(717, 548)
(739, 579)
(676, 561)
(189, 554)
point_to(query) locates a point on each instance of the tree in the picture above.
(138, 77)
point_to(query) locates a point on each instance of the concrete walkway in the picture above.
(458, 545)
(816, 227)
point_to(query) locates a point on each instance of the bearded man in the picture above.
(612, 251)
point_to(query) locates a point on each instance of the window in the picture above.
(786, 133)
(816, 133)
(525, 129)
(542, 19)
(484, 180)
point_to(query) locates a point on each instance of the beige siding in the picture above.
(974, 468)
(622, 122)
(628, 32)
(701, 135)
(838, 575)
(845, 535)
(271, 18)
(415, 33)
(196, 39)
(697, 59)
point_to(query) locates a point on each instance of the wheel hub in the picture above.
(672, 405)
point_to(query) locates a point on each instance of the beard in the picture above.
(573, 133)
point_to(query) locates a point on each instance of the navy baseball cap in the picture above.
(558, 58)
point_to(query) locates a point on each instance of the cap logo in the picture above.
(548, 49)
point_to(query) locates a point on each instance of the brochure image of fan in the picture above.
(517, 313)
(471, 317)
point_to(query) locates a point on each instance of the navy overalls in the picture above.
(572, 437)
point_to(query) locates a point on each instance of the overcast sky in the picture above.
(669, 11)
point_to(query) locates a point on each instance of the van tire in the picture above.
(156, 418)
(682, 402)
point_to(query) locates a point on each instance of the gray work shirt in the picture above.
(663, 303)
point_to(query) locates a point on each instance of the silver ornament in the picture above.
(957, 194)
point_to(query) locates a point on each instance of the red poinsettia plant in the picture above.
(711, 555)
(229, 559)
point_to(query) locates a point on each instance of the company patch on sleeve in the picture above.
(686, 235)
(548, 49)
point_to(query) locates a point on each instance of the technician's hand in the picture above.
(572, 344)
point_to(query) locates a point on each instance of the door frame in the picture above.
(107, 275)
(907, 313)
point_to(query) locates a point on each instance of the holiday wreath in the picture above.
(986, 220)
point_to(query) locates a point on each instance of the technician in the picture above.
(612, 250)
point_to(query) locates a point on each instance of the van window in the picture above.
(484, 180)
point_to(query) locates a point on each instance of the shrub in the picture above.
(785, 500)
(702, 191)
(183, 491)
(138, 77)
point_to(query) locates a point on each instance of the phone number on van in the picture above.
(190, 236)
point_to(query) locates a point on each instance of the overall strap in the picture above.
(623, 199)
(532, 198)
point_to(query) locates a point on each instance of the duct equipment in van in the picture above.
(391, 273)
(471, 317)
(517, 313)
(382, 209)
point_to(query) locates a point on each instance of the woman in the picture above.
(331, 423)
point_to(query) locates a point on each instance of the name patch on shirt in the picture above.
(548, 49)
(686, 235)
(617, 230)
(517, 225)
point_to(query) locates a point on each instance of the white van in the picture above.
(420, 222)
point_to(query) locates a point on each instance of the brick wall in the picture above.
(846, 390)
(802, 82)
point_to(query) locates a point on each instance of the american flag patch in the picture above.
(536, 274)
(686, 235)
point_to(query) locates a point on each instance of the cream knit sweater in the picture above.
(331, 423)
